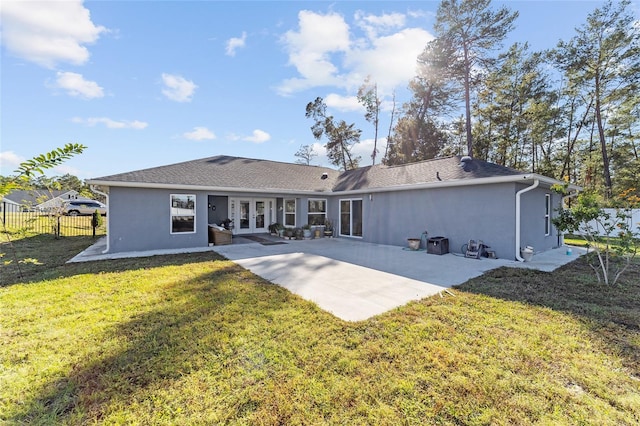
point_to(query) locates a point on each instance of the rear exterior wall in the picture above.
(478, 212)
(140, 220)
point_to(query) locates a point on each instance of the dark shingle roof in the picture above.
(250, 174)
(423, 172)
(233, 172)
(33, 197)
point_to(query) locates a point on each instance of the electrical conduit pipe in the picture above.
(518, 195)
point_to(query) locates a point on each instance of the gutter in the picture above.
(367, 190)
(186, 187)
(536, 182)
(106, 196)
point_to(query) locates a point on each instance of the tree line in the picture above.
(571, 112)
(44, 184)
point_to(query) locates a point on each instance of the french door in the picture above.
(251, 215)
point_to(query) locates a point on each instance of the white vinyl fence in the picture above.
(633, 222)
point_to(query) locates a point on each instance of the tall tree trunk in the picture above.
(393, 111)
(467, 100)
(633, 142)
(375, 138)
(571, 143)
(603, 141)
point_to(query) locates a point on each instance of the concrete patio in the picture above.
(352, 279)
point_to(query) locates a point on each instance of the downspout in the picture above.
(518, 194)
(106, 196)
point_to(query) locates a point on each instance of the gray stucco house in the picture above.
(460, 198)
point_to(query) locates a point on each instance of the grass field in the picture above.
(195, 339)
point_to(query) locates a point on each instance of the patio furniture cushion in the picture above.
(219, 236)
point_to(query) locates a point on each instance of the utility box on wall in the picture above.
(438, 245)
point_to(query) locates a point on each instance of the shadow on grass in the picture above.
(612, 312)
(46, 259)
(202, 322)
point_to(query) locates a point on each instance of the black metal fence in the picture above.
(18, 219)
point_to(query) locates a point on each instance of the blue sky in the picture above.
(148, 83)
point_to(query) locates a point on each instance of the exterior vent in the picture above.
(465, 163)
(324, 176)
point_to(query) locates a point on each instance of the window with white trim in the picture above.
(183, 213)
(317, 213)
(290, 212)
(547, 214)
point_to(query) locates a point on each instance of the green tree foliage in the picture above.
(37, 165)
(611, 237)
(341, 136)
(27, 170)
(602, 60)
(470, 30)
(415, 140)
(623, 134)
(419, 133)
(65, 182)
(516, 113)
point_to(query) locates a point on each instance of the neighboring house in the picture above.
(458, 198)
(38, 200)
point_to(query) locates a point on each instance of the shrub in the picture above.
(611, 238)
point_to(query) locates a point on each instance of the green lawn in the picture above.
(195, 339)
(579, 241)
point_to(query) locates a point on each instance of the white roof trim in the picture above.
(202, 187)
(528, 177)
(523, 178)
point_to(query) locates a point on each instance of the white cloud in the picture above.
(77, 86)
(64, 169)
(235, 43)
(177, 88)
(343, 103)
(258, 136)
(311, 47)
(364, 149)
(390, 60)
(111, 124)
(373, 25)
(199, 134)
(9, 161)
(326, 51)
(48, 32)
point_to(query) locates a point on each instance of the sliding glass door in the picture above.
(351, 217)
